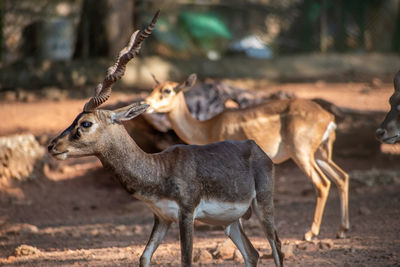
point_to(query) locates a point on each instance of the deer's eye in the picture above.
(167, 91)
(86, 124)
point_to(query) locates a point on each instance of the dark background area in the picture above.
(68, 44)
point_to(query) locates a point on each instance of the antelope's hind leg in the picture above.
(321, 183)
(323, 158)
(235, 232)
(264, 210)
(160, 228)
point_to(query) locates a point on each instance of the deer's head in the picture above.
(162, 98)
(89, 131)
(389, 131)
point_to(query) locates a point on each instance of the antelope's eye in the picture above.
(167, 91)
(86, 124)
(398, 107)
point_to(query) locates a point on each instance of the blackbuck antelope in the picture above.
(389, 131)
(216, 183)
(294, 128)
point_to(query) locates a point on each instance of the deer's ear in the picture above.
(190, 81)
(155, 79)
(128, 112)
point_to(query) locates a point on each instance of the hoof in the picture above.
(341, 234)
(308, 236)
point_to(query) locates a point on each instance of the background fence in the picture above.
(213, 28)
(63, 42)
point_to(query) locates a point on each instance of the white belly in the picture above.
(164, 208)
(217, 212)
(208, 210)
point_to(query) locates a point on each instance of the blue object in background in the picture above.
(252, 46)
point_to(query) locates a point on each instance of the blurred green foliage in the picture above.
(204, 25)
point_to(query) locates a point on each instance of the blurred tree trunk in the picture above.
(104, 28)
(324, 28)
(340, 38)
(306, 40)
(383, 18)
(119, 24)
(396, 35)
(362, 8)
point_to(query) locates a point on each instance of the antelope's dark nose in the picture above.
(380, 133)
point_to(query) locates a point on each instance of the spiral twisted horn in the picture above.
(116, 71)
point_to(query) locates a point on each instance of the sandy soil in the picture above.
(77, 215)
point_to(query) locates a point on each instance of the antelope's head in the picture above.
(90, 132)
(92, 128)
(389, 131)
(164, 95)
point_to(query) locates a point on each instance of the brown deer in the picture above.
(206, 100)
(389, 131)
(293, 128)
(216, 183)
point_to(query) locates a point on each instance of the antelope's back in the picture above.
(226, 166)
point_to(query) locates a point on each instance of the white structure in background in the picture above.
(252, 46)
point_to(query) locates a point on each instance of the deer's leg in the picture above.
(239, 238)
(321, 185)
(160, 228)
(186, 235)
(340, 178)
(263, 206)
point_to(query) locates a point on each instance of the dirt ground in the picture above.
(77, 215)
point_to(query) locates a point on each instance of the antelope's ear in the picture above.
(190, 81)
(128, 112)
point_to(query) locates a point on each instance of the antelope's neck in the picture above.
(189, 129)
(134, 169)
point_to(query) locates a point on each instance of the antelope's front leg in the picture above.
(160, 228)
(186, 233)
